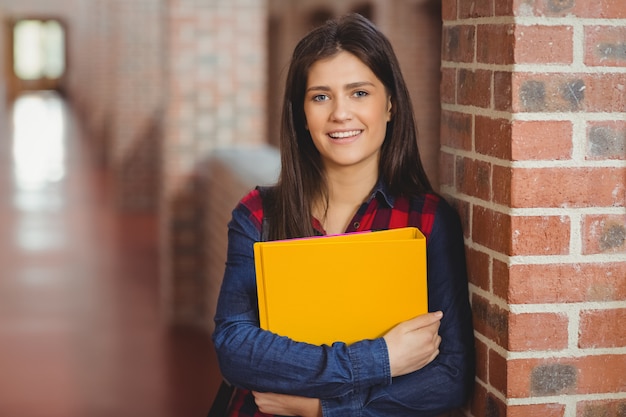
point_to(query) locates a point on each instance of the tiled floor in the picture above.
(80, 328)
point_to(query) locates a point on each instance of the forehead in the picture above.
(340, 69)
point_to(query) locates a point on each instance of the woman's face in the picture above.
(347, 109)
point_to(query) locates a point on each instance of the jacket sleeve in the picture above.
(256, 359)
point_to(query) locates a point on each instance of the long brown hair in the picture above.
(302, 180)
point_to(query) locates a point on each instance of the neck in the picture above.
(348, 188)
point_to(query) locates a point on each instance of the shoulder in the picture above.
(426, 203)
(430, 210)
(251, 206)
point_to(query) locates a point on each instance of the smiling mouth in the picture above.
(343, 135)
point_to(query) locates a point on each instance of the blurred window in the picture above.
(39, 49)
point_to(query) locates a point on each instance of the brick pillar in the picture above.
(533, 137)
(216, 98)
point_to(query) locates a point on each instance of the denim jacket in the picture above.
(350, 380)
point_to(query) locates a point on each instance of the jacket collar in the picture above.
(381, 191)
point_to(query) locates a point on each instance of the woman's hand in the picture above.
(414, 343)
(287, 405)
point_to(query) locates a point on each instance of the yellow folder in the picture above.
(343, 288)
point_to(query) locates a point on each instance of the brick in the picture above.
(504, 8)
(568, 187)
(557, 93)
(495, 44)
(501, 180)
(600, 9)
(544, 44)
(497, 371)
(490, 320)
(597, 328)
(482, 361)
(601, 408)
(493, 137)
(540, 235)
(553, 379)
(491, 229)
(500, 279)
(606, 9)
(606, 140)
(478, 269)
(543, 410)
(566, 376)
(494, 407)
(541, 140)
(449, 10)
(503, 91)
(604, 234)
(446, 169)
(458, 43)
(447, 87)
(478, 401)
(612, 378)
(566, 283)
(474, 88)
(606, 93)
(569, 92)
(538, 331)
(605, 46)
(475, 8)
(473, 178)
(456, 130)
(541, 377)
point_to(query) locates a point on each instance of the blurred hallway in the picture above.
(80, 327)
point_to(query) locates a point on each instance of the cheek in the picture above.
(379, 118)
(314, 119)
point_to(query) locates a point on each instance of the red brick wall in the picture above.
(533, 154)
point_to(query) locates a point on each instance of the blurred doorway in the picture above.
(38, 58)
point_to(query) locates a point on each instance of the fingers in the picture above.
(423, 321)
(413, 343)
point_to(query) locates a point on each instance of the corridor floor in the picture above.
(81, 331)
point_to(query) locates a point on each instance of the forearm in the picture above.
(431, 391)
(259, 360)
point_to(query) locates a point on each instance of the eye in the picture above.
(320, 97)
(361, 93)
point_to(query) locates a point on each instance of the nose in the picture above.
(341, 110)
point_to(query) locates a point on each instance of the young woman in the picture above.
(349, 163)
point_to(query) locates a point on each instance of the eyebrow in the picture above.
(349, 86)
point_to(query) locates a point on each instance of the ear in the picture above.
(389, 113)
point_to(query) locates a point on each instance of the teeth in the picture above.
(340, 135)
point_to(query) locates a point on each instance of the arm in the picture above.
(411, 344)
(259, 360)
(445, 383)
